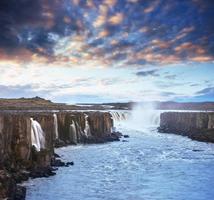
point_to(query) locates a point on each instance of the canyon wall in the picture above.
(87, 127)
(19, 159)
(196, 125)
(17, 156)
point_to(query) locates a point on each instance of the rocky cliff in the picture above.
(18, 159)
(20, 132)
(196, 125)
(85, 127)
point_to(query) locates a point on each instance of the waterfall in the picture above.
(73, 132)
(56, 126)
(119, 115)
(78, 131)
(87, 130)
(37, 135)
(144, 117)
(119, 118)
(141, 117)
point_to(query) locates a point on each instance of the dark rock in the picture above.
(60, 143)
(20, 193)
(126, 136)
(58, 163)
(69, 164)
(124, 140)
(7, 185)
(42, 172)
(118, 134)
(197, 150)
(56, 155)
(21, 176)
(195, 125)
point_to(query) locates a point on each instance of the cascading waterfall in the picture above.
(56, 126)
(119, 115)
(139, 118)
(119, 118)
(37, 135)
(87, 130)
(73, 132)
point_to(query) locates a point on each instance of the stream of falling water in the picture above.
(149, 166)
(37, 135)
(56, 126)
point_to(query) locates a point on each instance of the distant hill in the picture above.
(168, 105)
(28, 103)
(38, 103)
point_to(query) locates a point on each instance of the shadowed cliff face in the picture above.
(196, 125)
(15, 140)
(15, 152)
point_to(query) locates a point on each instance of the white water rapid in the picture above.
(37, 135)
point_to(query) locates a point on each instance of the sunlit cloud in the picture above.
(116, 19)
(69, 38)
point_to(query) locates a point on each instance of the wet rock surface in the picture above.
(195, 125)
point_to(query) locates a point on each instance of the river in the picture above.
(147, 166)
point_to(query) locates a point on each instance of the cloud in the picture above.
(168, 94)
(148, 73)
(206, 94)
(171, 77)
(16, 91)
(207, 91)
(116, 19)
(148, 32)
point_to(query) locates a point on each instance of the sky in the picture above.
(94, 51)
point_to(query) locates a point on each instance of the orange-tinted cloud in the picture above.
(110, 2)
(99, 21)
(116, 19)
(103, 34)
(159, 43)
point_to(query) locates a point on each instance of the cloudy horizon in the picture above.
(92, 51)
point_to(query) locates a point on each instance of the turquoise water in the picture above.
(149, 166)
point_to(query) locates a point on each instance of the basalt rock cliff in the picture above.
(196, 125)
(87, 127)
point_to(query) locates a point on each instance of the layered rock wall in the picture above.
(196, 125)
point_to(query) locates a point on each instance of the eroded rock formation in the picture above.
(196, 125)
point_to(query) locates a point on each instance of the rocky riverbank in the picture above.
(195, 125)
(20, 159)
